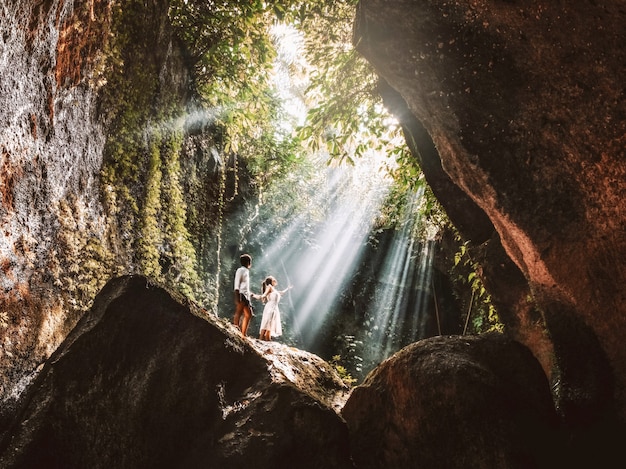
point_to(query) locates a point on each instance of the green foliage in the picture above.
(407, 203)
(79, 264)
(232, 53)
(132, 82)
(341, 370)
(178, 248)
(150, 241)
(141, 173)
(347, 118)
(227, 40)
(233, 56)
(484, 317)
(346, 115)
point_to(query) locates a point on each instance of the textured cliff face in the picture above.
(101, 167)
(51, 152)
(525, 106)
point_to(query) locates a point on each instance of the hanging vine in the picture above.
(220, 228)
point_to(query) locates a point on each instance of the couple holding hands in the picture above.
(270, 323)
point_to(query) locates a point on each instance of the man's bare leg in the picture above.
(237, 316)
(247, 314)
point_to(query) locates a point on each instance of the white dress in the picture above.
(271, 315)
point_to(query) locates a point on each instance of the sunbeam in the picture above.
(329, 245)
(327, 266)
(322, 253)
(403, 288)
(321, 247)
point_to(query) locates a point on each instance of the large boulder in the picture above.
(455, 402)
(149, 380)
(524, 104)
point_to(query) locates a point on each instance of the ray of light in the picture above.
(403, 290)
(320, 263)
(321, 249)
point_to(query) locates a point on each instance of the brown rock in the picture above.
(524, 104)
(455, 402)
(143, 382)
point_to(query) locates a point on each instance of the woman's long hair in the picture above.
(266, 283)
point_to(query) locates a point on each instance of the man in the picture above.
(242, 295)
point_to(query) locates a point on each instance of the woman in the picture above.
(270, 323)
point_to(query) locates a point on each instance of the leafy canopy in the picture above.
(233, 54)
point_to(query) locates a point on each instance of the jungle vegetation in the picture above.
(233, 49)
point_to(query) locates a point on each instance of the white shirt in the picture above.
(242, 281)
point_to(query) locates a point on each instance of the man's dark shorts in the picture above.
(244, 299)
(246, 302)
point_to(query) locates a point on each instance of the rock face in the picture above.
(145, 381)
(519, 110)
(524, 104)
(149, 379)
(86, 89)
(455, 402)
(50, 155)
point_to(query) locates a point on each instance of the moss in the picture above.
(183, 267)
(150, 238)
(81, 262)
(141, 174)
